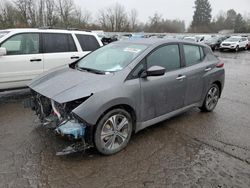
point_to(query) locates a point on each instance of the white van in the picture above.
(26, 53)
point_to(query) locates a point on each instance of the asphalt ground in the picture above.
(191, 150)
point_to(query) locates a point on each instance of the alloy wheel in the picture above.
(115, 132)
(212, 98)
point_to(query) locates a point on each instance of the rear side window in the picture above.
(192, 54)
(88, 42)
(166, 56)
(58, 42)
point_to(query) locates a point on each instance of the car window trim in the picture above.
(40, 42)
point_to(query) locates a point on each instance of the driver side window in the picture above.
(167, 56)
(26, 43)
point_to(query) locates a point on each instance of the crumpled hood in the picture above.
(65, 84)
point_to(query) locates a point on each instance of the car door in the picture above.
(195, 70)
(163, 94)
(59, 49)
(22, 62)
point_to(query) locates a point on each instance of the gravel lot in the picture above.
(191, 150)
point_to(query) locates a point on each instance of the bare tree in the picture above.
(133, 19)
(113, 18)
(50, 18)
(65, 9)
(8, 17)
(81, 17)
(27, 12)
(22, 6)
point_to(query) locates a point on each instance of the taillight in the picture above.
(220, 65)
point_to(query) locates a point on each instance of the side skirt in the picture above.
(143, 125)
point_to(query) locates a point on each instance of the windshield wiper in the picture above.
(90, 70)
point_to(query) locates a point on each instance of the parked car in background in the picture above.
(106, 39)
(248, 46)
(125, 87)
(234, 43)
(214, 42)
(190, 39)
(202, 38)
(26, 53)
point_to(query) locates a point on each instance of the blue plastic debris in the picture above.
(71, 128)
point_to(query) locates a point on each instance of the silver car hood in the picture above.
(65, 84)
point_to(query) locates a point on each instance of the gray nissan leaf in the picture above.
(102, 99)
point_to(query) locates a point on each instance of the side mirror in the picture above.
(154, 71)
(3, 51)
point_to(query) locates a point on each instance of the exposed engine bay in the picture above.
(59, 117)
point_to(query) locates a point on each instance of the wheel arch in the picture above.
(218, 83)
(126, 107)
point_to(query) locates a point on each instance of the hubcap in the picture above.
(115, 131)
(212, 98)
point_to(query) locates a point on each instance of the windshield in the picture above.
(3, 33)
(213, 39)
(111, 58)
(233, 39)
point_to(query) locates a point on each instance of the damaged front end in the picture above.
(61, 119)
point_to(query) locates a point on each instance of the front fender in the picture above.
(91, 109)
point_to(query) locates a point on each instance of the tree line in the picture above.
(230, 20)
(65, 14)
(115, 18)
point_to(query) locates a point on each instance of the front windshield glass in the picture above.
(3, 33)
(111, 58)
(213, 39)
(233, 39)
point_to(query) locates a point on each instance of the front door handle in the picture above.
(208, 69)
(74, 57)
(181, 77)
(32, 60)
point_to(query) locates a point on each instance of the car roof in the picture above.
(44, 30)
(156, 41)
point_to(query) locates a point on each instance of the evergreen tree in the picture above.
(240, 25)
(202, 16)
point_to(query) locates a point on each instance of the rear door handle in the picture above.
(74, 57)
(208, 69)
(180, 77)
(32, 60)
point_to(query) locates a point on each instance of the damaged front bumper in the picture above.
(71, 129)
(59, 117)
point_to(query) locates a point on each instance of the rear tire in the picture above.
(211, 99)
(113, 131)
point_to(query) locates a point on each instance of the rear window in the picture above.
(88, 42)
(58, 42)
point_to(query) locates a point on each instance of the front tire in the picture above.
(113, 131)
(211, 99)
(237, 49)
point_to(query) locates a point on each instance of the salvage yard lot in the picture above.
(191, 150)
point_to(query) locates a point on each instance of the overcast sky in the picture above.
(171, 9)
